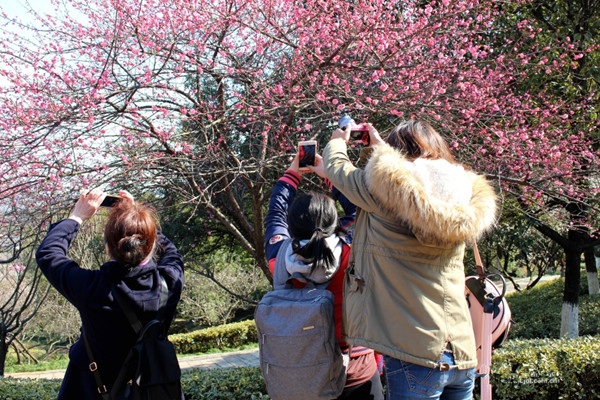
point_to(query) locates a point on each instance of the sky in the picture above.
(18, 7)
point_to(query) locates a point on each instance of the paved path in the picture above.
(244, 358)
(522, 282)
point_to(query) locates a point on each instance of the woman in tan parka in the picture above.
(404, 287)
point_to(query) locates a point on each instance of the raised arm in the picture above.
(346, 221)
(276, 231)
(62, 272)
(344, 175)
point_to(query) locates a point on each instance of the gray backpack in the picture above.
(300, 356)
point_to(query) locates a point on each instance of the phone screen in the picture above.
(307, 153)
(110, 201)
(360, 133)
(356, 135)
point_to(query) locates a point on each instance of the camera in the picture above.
(358, 132)
(307, 153)
(110, 200)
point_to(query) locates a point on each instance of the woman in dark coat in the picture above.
(139, 256)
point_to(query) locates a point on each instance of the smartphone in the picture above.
(307, 153)
(360, 132)
(110, 200)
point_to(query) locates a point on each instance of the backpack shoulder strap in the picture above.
(134, 321)
(280, 274)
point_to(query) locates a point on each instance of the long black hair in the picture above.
(313, 217)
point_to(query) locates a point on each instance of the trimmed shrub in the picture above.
(224, 384)
(27, 389)
(216, 384)
(537, 312)
(219, 337)
(547, 369)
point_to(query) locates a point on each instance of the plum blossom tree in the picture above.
(199, 102)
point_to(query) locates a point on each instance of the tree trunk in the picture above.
(3, 348)
(570, 311)
(593, 282)
(592, 273)
(569, 324)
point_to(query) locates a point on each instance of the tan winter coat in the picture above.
(404, 287)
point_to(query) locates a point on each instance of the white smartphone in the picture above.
(307, 153)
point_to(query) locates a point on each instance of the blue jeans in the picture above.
(405, 380)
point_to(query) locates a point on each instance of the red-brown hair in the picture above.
(417, 139)
(130, 232)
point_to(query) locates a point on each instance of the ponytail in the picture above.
(313, 217)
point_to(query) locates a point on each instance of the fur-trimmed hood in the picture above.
(439, 201)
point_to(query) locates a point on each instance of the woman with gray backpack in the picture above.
(307, 244)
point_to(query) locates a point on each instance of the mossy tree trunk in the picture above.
(3, 347)
(592, 261)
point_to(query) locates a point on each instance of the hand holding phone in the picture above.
(358, 132)
(307, 153)
(110, 200)
(319, 167)
(87, 205)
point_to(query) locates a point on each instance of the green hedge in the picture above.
(26, 389)
(547, 369)
(537, 312)
(219, 337)
(216, 384)
(224, 384)
(521, 370)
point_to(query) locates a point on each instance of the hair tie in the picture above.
(295, 245)
(318, 230)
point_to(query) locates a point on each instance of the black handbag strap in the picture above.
(94, 368)
(136, 324)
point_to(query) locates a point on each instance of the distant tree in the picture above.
(19, 299)
(515, 247)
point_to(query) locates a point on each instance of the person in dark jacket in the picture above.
(139, 255)
(320, 250)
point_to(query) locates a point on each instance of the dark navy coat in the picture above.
(108, 331)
